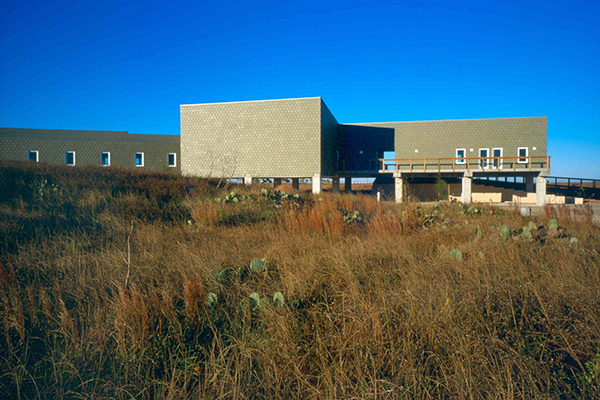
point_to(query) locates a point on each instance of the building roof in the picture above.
(66, 134)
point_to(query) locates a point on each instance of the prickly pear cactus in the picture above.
(257, 265)
(574, 243)
(226, 276)
(254, 301)
(278, 299)
(553, 224)
(211, 299)
(456, 255)
(505, 232)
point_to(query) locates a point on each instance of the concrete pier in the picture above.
(398, 187)
(540, 190)
(316, 184)
(467, 181)
(335, 185)
(347, 184)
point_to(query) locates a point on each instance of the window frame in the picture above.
(522, 159)
(74, 158)
(135, 159)
(461, 160)
(499, 166)
(101, 159)
(484, 164)
(37, 155)
(174, 160)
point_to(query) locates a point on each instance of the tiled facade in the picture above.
(428, 139)
(274, 138)
(289, 138)
(88, 147)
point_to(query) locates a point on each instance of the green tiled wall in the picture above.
(440, 139)
(271, 139)
(15, 144)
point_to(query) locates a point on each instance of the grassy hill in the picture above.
(121, 284)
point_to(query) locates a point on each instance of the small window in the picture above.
(70, 158)
(484, 161)
(105, 158)
(460, 156)
(172, 159)
(139, 159)
(523, 153)
(32, 155)
(497, 161)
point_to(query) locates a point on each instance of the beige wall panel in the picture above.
(270, 139)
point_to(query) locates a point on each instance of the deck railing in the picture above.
(479, 164)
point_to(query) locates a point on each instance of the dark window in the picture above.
(70, 158)
(460, 156)
(139, 159)
(172, 160)
(523, 152)
(105, 158)
(32, 155)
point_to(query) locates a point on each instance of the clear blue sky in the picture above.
(118, 65)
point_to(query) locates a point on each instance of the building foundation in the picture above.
(296, 183)
(398, 187)
(347, 184)
(467, 181)
(540, 190)
(335, 185)
(317, 185)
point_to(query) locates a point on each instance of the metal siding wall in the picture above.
(330, 141)
(88, 152)
(271, 139)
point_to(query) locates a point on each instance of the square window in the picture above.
(105, 158)
(139, 159)
(70, 158)
(460, 156)
(32, 155)
(523, 153)
(172, 159)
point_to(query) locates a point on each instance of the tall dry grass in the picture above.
(375, 306)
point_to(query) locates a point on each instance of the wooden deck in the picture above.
(467, 164)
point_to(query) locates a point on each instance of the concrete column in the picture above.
(399, 189)
(466, 187)
(296, 183)
(247, 179)
(529, 184)
(276, 182)
(347, 184)
(335, 185)
(316, 184)
(540, 190)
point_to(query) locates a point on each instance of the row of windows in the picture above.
(496, 157)
(33, 155)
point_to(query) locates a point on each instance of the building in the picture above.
(300, 138)
(102, 148)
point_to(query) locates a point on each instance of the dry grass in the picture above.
(375, 306)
